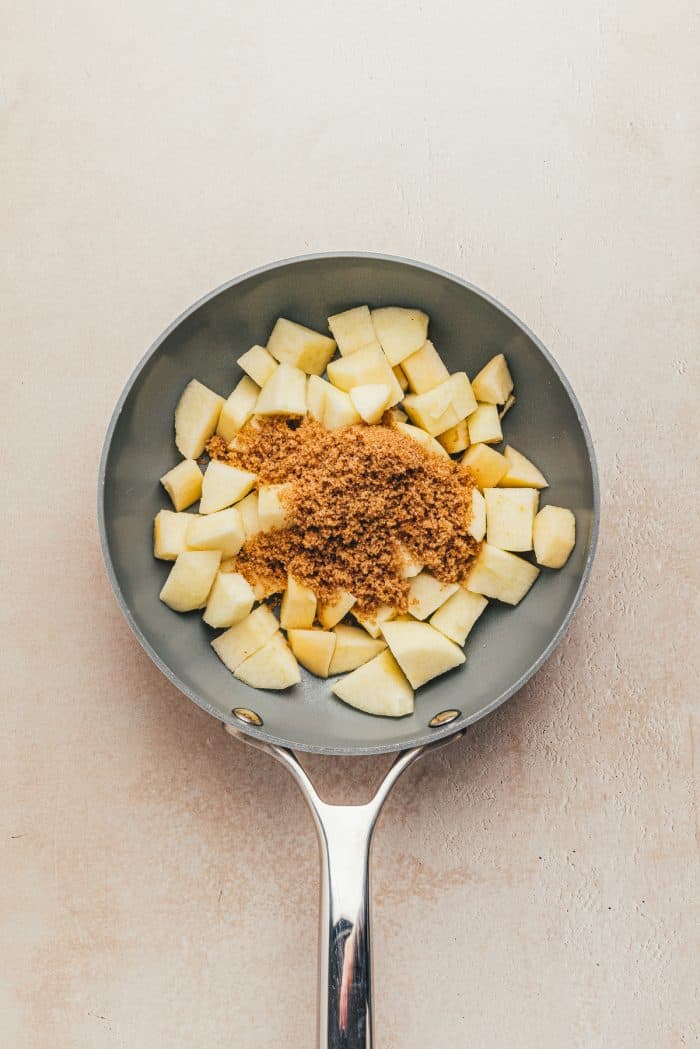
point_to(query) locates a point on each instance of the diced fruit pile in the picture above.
(385, 360)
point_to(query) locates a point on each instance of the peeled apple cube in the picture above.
(315, 396)
(554, 536)
(353, 648)
(373, 622)
(284, 393)
(222, 531)
(272, 666)
(352, 329)
(293, 344)
(462, 395)
(238, 408)
(425, 369)
(332, 612)
(432, 411)
(510, 517)
(485, 425)
(298, 606)
(190, 580)
(272, 508)
(196, 416)
(223, 485)
(426, 593)
(477, 525)
(364, 367)
(501, 575)
(244, 638)
(313, 648)
(230, 600)
(456, 439)
(521, 472)
(338, 408)
(248, 509)
(258, 364)
(377, 687)
(183, 484)
(423, 438)
(493, 384)
(400, 377)
(421, 651)
(409, 566)
(371, 401)
(487, 465)
(400, 331)
(458, 615)
(169, 534)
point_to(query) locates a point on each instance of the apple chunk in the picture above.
(510, 516)
(332, 612)
(352, 329)
(196, 416)
(248, 509)
(426, 593)
(272, 666)
(298, 606)
(238, 408)
(416, 434)
(190, 580)
(353, 647)
(456, 439)
(493, 384)
(222, 531)
(170, 534)
(273, 512)
(338, 408)
(313, 648)
(364, 367)
(458, 615)
(259, 364)
(284, 393)
(223, 485)
(400, 331)
(477, 524)
(485, 425)
(230, 600)
(377, 687)
(371, 401)
(521, 472)
(425, 369)
(183, 484)
(501, 575)
(487, 465)
(246, 637)
(554, 536)
(421, 651)
(301, 347)
(372, 621)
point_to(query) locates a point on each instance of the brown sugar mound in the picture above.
(357, 493)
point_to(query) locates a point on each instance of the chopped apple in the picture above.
(183, 484)
(421, 651)
(313, 648)
(432, 411)
(248, 509)
(315, 396)
(259, 364)
(456, 439)
(494, 383)
(554, 536)
(510, 517)
(190, 580)
(196, 416)
(400, 377)
(485, 425)
(426, 593)
(400, 331)
(169, 534)
(272, 666)
(365, 366)
(246, 637)
(521, 472)
(353, 647)
(352, 329)
(298, 606)
(230, 600)
(461, 395)
(372, 622)
(416, 434)
(238, 408)
(377, 687)
(284, 393)
(507, 407)
(223, 485)
(338, 409)
(410, 567)
(301, 347)
(458, 615)
(501, 575)
(273, 512)
(487, 465)
(371, 401)
(477, 524)
(222, 531)
(425, 369)
(332, 612)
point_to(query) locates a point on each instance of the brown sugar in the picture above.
(358, 494)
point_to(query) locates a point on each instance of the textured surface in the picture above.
(534, 885)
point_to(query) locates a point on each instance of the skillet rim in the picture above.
(431, 735)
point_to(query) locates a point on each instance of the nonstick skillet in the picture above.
(504, 649)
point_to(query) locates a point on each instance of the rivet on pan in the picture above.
(444, 718)
(249, 716)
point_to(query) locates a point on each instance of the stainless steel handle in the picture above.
(345, 838)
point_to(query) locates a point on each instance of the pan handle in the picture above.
(345, 838)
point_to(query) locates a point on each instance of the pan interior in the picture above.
(505, 646)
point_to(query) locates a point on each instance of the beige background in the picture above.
(535, 885)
